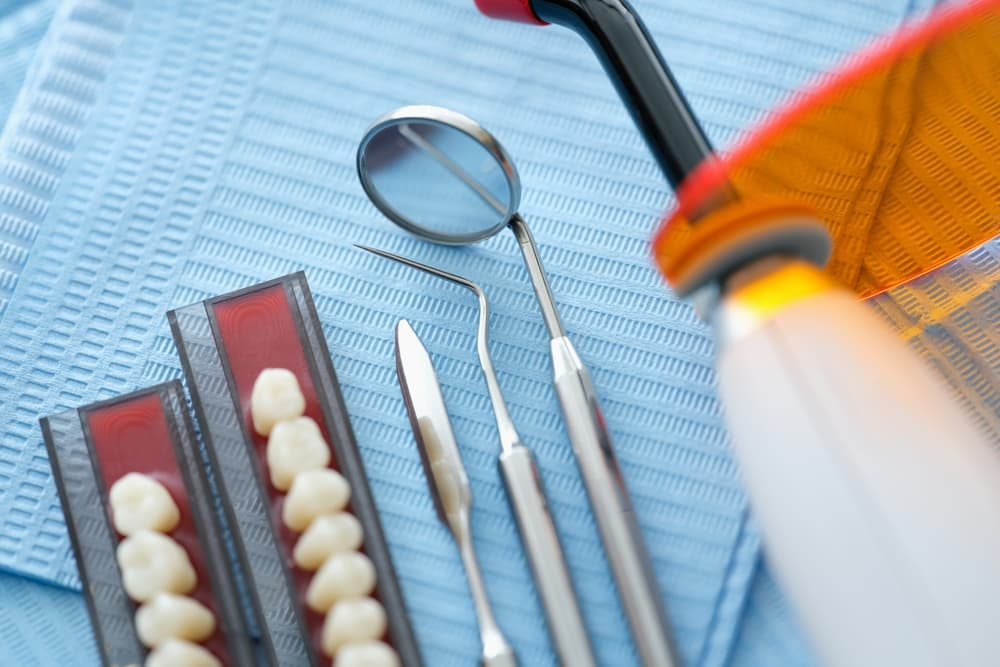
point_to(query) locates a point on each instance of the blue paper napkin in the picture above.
(43, 626)
(22, 26)
(21, 29)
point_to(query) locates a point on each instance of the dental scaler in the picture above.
(877, 498)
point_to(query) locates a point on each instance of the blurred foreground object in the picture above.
(877, 498)
(898, 154)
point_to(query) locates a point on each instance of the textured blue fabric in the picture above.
(172, 151)
(43, 626)
(950, 318)
(21, 29)
(768, 634)
(40, 132)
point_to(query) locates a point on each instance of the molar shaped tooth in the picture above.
(152, 563)
(169, 616)
(181, 653)
(327, 535)
(314, 493)
(294, 446)
(366, 654)
(276, 397)
(140, 502)
(352, 620)
(347, 575)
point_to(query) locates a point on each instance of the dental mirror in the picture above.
(438, 174)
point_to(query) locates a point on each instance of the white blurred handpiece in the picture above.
(878, 499)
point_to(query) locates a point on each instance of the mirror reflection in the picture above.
(438, 178)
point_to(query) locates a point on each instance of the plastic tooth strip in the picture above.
(297, 460)
(92, 538)
(147, 432)
(225, 343)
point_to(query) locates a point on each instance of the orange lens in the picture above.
(899, 152)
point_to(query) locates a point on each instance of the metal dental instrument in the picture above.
(432, 198)
(449, 485)
(527, 498)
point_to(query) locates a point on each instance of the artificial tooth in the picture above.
(169, 616)
(294, 446)
(325, 536)
(313, 493)
(346, 575)
(366, 654)
(276, 397)
(152, 563)
(181, 653)
(352, 620)
(140, 502)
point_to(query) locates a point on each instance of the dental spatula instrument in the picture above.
(527, 498)
(446, 477)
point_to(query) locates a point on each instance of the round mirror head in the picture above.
(438, 174)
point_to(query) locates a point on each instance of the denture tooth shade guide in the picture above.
(297, 460)
(181, 653)
(343, 576)
(276, 397)
(142, 507)
(314, 493)
(143, 483)
(153, 563)
(168, 616)
(366, 654)
(140, 502)
(352, 620)
(327, 535)
(273, 327)
(294, 446)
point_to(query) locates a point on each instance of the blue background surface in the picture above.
(160, 154)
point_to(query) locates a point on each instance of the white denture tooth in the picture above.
(352, 620)
(140, 502)
(327, 535)
(152, 563)
(366, 654)
(294, 446)
(314, 493)
(181, 653)
(343, 576)
(276, 397)
(170, 616)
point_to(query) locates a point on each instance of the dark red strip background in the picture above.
(258, 331)
(133, 436)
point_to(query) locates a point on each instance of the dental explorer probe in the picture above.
(527, 498)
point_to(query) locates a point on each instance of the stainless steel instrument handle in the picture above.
(548, 564)
(507, 659)
(609, 500)
(497, 652)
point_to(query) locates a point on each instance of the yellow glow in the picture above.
(770, 293)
